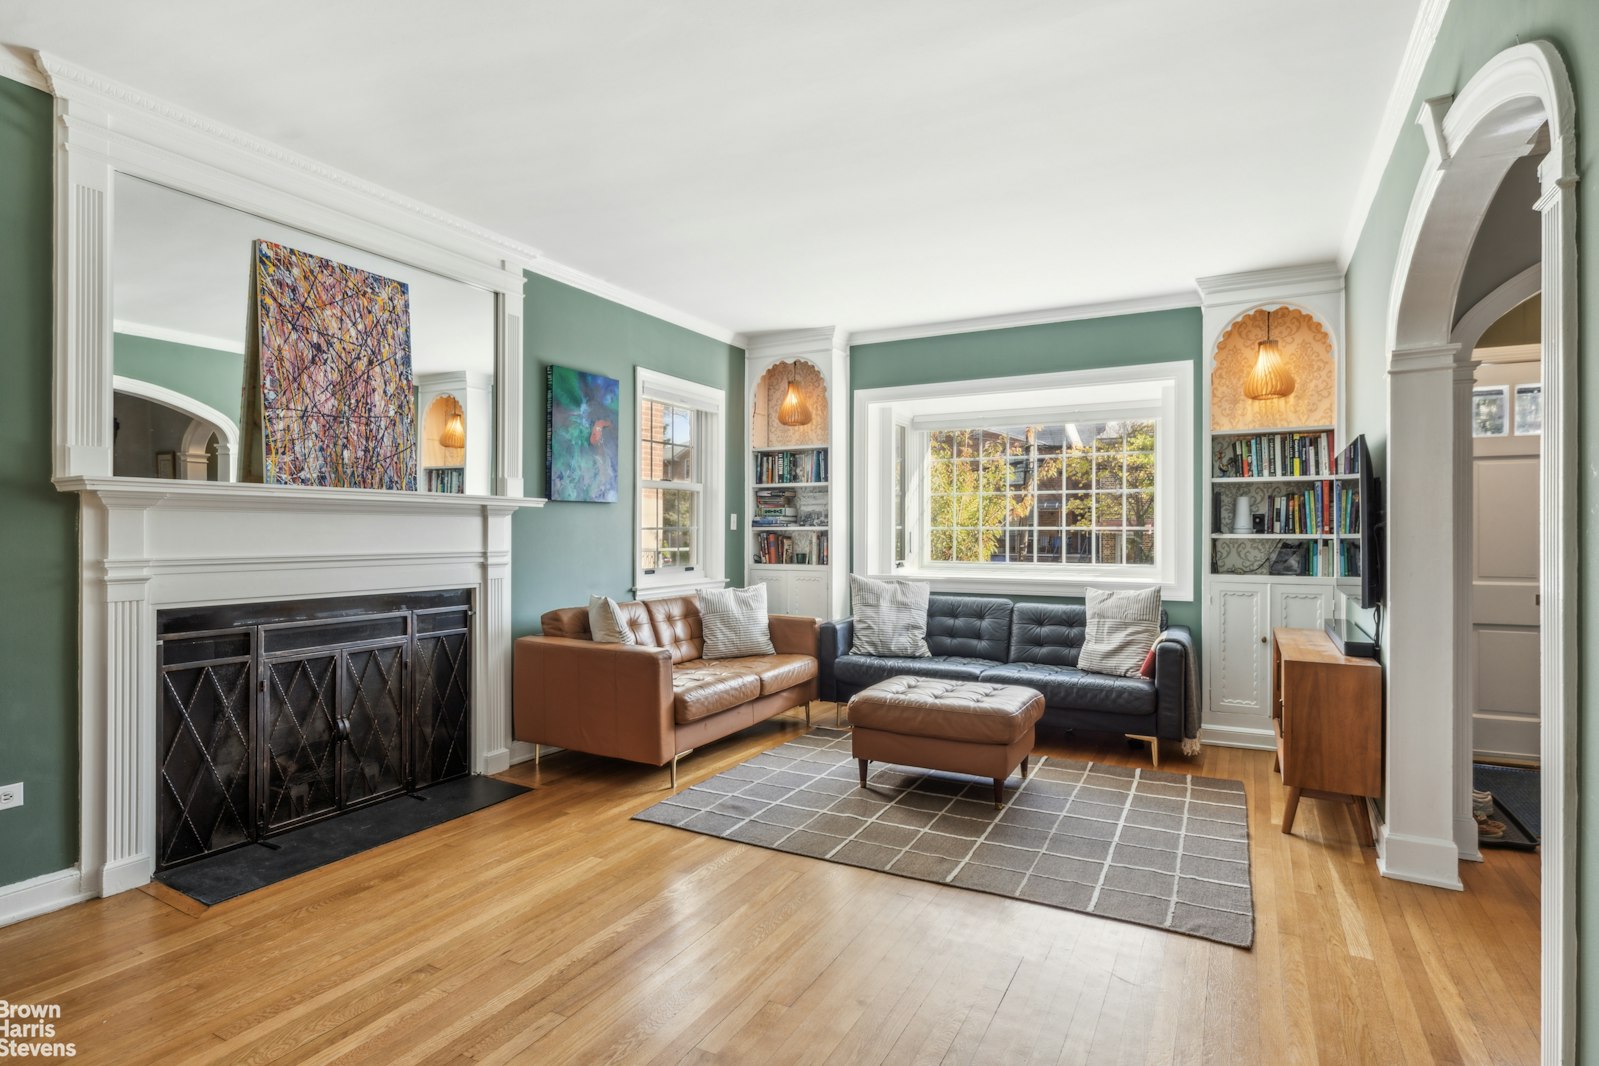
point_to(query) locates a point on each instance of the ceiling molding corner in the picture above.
(17, 64)
(578, 279)
(1397, 114)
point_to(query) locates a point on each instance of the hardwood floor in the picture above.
(552, 929)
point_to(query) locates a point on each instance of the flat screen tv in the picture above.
(1356, 459)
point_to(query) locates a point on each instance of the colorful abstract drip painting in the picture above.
(580, 457)
(329, 399)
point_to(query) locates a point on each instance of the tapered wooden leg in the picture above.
(807, 714)
(1024, 765)
(999, 793)
(1154, 747)
(863, 771)
(1290, 808)
(535, 764)
(1357, 814)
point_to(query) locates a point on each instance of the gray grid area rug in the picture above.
(1165, 850)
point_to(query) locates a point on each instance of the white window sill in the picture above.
(687, 586)
(1070, 587)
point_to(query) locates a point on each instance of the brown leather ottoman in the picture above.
(963, 727)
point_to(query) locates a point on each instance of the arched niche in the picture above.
(1307, 350)
(435, 453)
(765, 429)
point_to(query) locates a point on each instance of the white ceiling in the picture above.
(762, 165)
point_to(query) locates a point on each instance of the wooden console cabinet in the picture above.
(1328, 717)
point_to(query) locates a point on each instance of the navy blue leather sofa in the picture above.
(983, 638)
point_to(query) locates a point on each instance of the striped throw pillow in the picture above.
(1122, 626)
(734, 622)
(605, 622)
(890, 617)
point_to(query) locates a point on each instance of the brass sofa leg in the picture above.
(807, 714)
(535, 764)
(675, 758)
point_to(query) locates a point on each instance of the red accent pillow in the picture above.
(1148, 669)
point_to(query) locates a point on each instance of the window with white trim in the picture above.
(678, 543)
(1044, 484)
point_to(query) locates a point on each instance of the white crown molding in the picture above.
(578, 279)
(177, 336)
(1276, 283)
(18, 65)
(1396, 115)
(68, 81)
(1043, 316)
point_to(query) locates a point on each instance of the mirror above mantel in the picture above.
(163, 218)
(181, 301)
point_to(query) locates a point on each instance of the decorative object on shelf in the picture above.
(1270, 378)
(1288, 560)
(1243, 515)
(794, 411)
(581, 453)
(328, 388)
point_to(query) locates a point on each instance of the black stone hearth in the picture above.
(233, 873)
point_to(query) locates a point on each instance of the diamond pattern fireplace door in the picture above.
(205, 776)
(371, 698)
(300, 744)
(443, 745)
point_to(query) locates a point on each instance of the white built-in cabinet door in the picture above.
(777, 589)
(1237, 642)
(807, 594)
(1301, 606)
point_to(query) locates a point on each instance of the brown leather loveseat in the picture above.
(656, 700)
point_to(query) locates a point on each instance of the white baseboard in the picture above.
(1234, 736)
(1421, 860)
(41, 895)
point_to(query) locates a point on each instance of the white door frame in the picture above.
(1467, 333)
(1472, 140)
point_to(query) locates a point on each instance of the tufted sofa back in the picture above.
(640, 618)
(677, 627)
(1050, 633)
(973, 627)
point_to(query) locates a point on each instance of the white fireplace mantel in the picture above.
(149, 545)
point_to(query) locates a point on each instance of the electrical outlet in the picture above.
(10, 795)
(732, 522)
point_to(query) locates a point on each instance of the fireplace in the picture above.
(274, 715)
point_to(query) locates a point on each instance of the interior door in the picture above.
(1505, 559)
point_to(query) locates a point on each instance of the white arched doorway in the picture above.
(208, 422)
(1472, 141)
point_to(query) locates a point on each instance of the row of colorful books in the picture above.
(782, 467)
(791, 548)
(1276, 455)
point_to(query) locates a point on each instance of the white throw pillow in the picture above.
(605, 622)
(890, 617)
(734, 622)
(1122, 626)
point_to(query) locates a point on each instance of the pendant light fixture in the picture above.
(453, 435)
(794, 411)
(1270, 379)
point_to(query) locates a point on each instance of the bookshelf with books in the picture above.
(795, 496)
(1275, 507)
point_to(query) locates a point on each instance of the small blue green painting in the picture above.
(580, 454)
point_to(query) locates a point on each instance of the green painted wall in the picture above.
(213, 377)
(1472, 33)
(565, 552)
(1122, 340)
(38, 525)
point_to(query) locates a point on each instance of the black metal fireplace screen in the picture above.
(275, 715)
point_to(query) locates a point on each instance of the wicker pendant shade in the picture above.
(1270, 379)
(793, 411)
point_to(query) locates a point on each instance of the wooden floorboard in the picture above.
(553, 929)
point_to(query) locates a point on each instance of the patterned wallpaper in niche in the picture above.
(765, 430)
(1307, 350)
